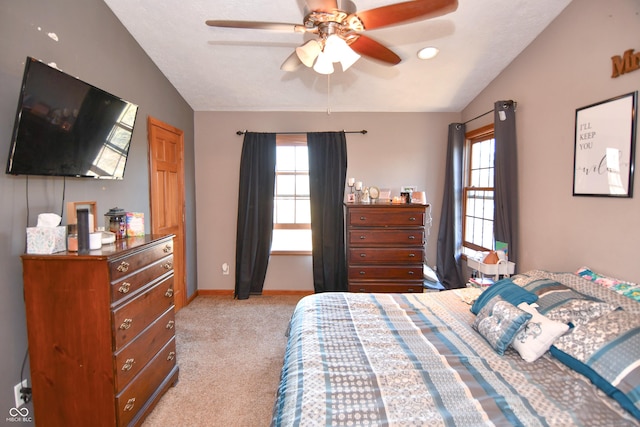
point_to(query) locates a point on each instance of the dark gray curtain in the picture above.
(505, 224)
(327, 175)
(450, 232)
(255, 212)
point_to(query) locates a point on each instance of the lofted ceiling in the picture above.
(231, 69)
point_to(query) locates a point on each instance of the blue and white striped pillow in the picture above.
(606, 351)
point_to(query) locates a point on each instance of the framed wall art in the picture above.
(604, 151)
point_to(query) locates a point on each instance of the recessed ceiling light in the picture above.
(428, 52)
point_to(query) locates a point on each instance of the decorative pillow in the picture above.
(498, 322)
(535, 338)
(506, 289)
(606, 351)
(563, 304)
(521, 279)
(628, 289)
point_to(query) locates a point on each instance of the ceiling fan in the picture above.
(339, 31)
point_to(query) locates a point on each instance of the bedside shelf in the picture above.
(502, 268)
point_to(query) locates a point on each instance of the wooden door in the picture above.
(166, 178)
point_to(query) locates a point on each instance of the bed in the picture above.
(421, 359)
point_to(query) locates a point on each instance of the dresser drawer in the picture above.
(406, 273)
(132, 358)
(133, 398)
(134, 316)
(366, 237)
(130, 284)
(127, 265)
(386, 287)
(386, 256)
(386, 217)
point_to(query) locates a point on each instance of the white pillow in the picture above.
(535, 338)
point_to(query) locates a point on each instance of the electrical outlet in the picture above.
(17, 394)
(225, 269)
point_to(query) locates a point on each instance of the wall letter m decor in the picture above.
(626, 63)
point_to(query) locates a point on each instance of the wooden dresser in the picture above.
(101, 332)
(385, 247)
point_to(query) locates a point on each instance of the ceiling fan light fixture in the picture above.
(337, 50)
(323, 64)
(349, 57)
(428, 52)
(308, 52)
(333, 47)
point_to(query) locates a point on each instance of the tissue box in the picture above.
(46, 240)
(135, 224)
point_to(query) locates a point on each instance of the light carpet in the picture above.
(230, 354)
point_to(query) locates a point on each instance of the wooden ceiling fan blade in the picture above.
(322, 5)
(393, 14)
(368, 47)
(257, 25)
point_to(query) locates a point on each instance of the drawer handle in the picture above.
(130, 404)
(362, 237)
(126, 324)
(410, 273)
(169, 293)
(170, 324)
(363, 218)
(363, 255)
(166, 249)
(123, 267)
(128, 364)
(412, 218)
(124, 288)
(412, 255)
(412, 237)
(167, 266)
(362, 273)
(171, 356)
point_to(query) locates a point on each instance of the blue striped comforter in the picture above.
(413, 359)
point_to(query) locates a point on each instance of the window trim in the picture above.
(478, 135)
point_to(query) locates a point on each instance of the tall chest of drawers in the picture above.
(101, 332)
(385, 247)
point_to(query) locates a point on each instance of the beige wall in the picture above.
(399, 149)
(567, 67)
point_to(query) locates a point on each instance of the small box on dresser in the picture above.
(385, 246)
(101, 332)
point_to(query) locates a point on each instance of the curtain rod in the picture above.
(505, 105)
(363, 131)
(477, 117)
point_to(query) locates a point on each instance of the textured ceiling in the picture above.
(228, 69)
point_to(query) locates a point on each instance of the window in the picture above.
(478, 192)
(111, 158)
(292, 209)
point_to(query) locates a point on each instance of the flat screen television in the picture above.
(67, 127)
